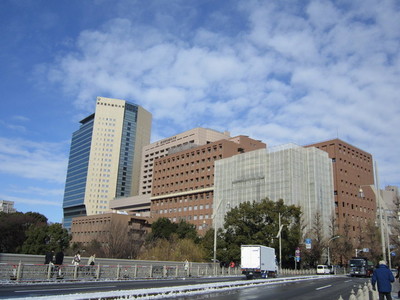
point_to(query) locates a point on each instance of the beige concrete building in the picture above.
(7, 206)
(183, 182)
(100, 227)
(105, 157)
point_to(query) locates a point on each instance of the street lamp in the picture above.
(331, 239)
(279, 235)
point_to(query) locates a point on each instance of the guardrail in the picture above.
(41, 272)
(25, 267)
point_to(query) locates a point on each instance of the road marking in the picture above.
(82, 288)
(323, 287)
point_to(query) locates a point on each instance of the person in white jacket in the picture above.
(77, 259)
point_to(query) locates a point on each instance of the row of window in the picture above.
(184, 208)
(187, 217)
(169, 160)
(182, 199)
(110, 104)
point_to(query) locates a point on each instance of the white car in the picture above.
(323, 269)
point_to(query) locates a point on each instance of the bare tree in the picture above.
(313, 256)
(345, 245)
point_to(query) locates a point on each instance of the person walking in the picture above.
(398, 276)
(383, 277)
(59, 261)
(48, 258)
(77, 259)
(91, 262)
(59, 258)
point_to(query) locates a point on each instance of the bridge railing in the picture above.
(22, 267)
(40, 272)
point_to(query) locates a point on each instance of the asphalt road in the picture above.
(327, 289)
(9, 291)
(330, 288)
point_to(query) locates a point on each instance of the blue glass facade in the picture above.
(125, 170)
(74, 194)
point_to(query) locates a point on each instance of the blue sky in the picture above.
(278, 71)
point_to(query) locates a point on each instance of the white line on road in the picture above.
(82, 288)
(323, 287)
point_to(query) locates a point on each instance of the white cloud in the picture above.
(293, 74)
(34, 160)
(30, 201)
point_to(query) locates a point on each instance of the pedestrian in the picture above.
(398, 276)
(92, 260)
(186, 266)
(48, 258)
(383, 277)
(77, 259)
(59, 258)
(59, 261)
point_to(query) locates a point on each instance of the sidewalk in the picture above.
(395, 288)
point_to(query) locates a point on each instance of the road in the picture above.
(64, 288)
(328, 289)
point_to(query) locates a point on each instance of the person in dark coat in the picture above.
(383, 277)
(49, 257)
(59, 258)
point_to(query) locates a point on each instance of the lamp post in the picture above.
(331, 239)
(279, 235)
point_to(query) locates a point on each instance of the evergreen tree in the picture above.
(257, 223)
(13, 228)
(43, 238)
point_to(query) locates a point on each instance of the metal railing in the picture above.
(41, 272)
(23, 267)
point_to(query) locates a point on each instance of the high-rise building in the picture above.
(7, 206)
(105, 157)
(352, 170)
(297, 175)
(183, 181)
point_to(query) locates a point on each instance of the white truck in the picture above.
(258, 261)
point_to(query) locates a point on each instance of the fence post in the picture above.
(19, 271)
(151, 271)
(135, 271)
(352, 296)
(360, 293)
(75, 271)
(49, 271)
(164, 272)
(118, 271)
(98, 272)
(365, 291)
(176, 271)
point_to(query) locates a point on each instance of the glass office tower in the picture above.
(105, 158)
